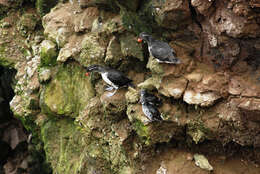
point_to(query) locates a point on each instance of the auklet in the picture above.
(115, 79)
(149, 98)
(149, 106)
(160, 50)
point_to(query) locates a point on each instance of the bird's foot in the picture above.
(111, 94)
(109, 88)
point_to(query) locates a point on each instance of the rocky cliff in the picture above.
(212, 98)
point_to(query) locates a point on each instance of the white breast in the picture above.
(146, 112)
(104, 77)
(150, 50)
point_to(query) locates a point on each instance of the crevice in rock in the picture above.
(194, 16)
(18, 154)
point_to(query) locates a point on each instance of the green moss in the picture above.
(3, 11)
(130, 4)
(130, 47)
(93, 52)
(62, 145)
(44, 6)
(68, 93)
(142, 131)
(133, 22)
(155, 66)
(72, 151)
(48, 53)
(4, 61)
(27, 24)
(198, 131)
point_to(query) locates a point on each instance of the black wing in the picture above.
(154, 113)
(118, 78)
(161, 50)
(152, 99)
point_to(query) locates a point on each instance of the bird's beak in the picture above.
(139, 40)
(87, 74)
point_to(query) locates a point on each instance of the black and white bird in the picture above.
(160, 50)
(115, 79)
(149, 107)
(147, 97)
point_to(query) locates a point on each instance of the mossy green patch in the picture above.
(93, 51)
(63, 145)
(44, 6)
(130, 4)
(72, 150)
(130, 47)
(27, 24)
(142, 131)
(48, 53)
(133, 22)
(68, 92)
(198, 131)
(4, 61)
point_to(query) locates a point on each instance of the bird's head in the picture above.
(94, 68)
(144, 37)
(142, 94)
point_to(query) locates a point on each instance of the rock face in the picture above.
(213, 95)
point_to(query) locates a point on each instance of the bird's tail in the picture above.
(175, 60)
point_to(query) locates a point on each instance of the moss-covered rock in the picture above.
(114, 55)
(114, 106)
(151, 83)
(4, 60)
(44, 74)
(48, 53)
(27, 23)
(130, 5)
(68, 150)
(130, 46)
(103, 4)
(109, 134)
(44, 6)
(198, 131)
(93, 52)
(152, 132)
(68, 92)
(133, 22)
(132, 95)
(172, 14)
(155, 66)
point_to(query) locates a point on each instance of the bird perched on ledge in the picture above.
(115, 79)
(149, 107)
(149, 98)
(160, 50)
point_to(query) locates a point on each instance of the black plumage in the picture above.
(147, 97)
(149, 106)
(151, 112)
(112, 77)
(160, 50)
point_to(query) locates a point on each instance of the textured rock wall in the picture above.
(213, 95)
